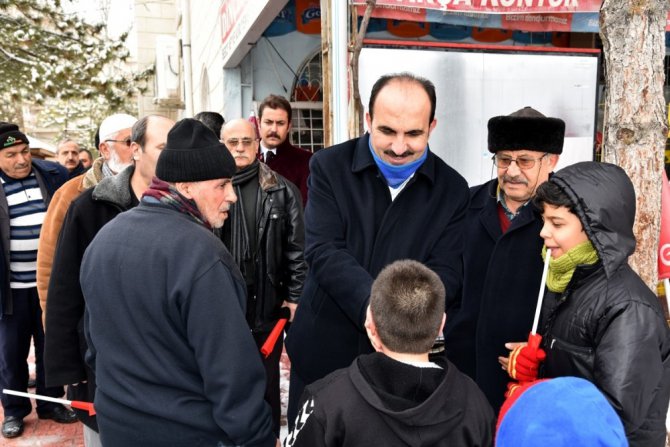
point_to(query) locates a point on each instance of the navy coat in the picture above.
(502, 274)
(353, 230)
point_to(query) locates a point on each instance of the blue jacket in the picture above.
(353, 230)
(502, 274)
(50, 177)
(175, 362)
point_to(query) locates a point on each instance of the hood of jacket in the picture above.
(116, 189)
(604, 198)
(411, 400)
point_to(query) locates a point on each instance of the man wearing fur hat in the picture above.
(174, 359)
(27, 187)
(502, 261)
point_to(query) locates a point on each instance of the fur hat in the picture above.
(10, 135)
(115, 123)
(193, 154)
(561, 412)
(526, 129)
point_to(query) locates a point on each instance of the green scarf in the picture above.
(561, 269)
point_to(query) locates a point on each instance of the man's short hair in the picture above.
(64, 141)
(407, 306)
(275, 102)
(138, 133)
(405, 76)
(90, 154)
(213, 120)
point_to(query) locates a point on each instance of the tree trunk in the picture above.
(635, 131)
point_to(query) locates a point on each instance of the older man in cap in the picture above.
(175, 361)
(27, 187)
(502, 257)
(115, 156)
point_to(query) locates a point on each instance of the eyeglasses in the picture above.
(127, 141)
(234, 142)
(523, 162)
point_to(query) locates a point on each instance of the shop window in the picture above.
(307, 105)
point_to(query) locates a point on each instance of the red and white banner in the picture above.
(490, 6)
(664, 240)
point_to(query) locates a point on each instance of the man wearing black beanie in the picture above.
(502, 257)
(27, 188)
(167, 337)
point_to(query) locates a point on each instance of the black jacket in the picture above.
(353, 230)
(607, 326)
(64, 344)
(50, 176)
(279, 261)
(501, 281)
(379, 401)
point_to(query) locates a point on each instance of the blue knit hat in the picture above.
(561, 412)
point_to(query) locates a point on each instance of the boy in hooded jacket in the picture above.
(396, 396)
(599, 320)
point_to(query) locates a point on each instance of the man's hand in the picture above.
(292, 307)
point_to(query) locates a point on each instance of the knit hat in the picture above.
(193, 154)
(561, 412)
(115, 123)
(10, 135)
(526, 129)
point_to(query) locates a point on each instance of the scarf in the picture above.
(165, 193)
(239, 242)
(562, 268)
(396, 175)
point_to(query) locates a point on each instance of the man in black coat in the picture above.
(373, 200)
(65, 346)
(502, 257)
(265, 233)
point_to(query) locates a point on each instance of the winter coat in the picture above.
(174, 359)
(279, 261)
(50, 177)
(53, 222)
(379, 401)
(353, 230)
(293, 164)
(502, 274)
(608, 327)
(64, 344)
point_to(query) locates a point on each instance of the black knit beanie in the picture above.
(193, 154)
(10, 135)
(526, 129)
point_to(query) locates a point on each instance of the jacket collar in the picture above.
(116, 189)
(363, 160)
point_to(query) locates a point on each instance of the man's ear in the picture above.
(104, 150)
(136, 150)
(184, 189)
(371, 330)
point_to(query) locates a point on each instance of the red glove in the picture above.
(524, 361)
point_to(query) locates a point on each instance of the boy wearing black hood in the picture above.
(396, 396)
(599, 319)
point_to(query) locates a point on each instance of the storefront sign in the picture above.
(523, 15)
(242, 23)
(492, 6)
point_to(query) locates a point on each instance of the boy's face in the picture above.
(562, 230)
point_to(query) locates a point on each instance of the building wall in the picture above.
(152, 19)
(233, 92)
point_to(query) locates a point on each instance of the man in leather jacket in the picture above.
(265, 233)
